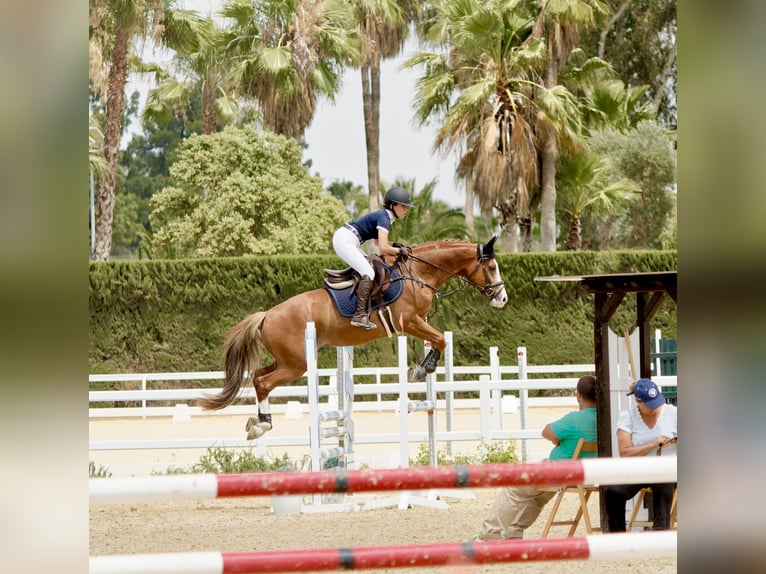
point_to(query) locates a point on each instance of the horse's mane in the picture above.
(438, 242)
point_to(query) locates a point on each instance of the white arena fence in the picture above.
(498, 394)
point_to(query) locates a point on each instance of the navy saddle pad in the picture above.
(345, 301)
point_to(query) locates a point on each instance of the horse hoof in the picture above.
(416, 374)
(256, 429)
(254, 433)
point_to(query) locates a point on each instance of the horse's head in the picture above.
(487, 273)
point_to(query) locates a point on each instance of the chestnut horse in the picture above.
(280, 330)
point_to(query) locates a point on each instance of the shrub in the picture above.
(495, 452)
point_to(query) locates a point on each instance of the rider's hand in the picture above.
(403, 252)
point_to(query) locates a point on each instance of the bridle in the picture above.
(489, 290)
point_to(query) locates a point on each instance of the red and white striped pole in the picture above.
(621, 546)
(634, 470)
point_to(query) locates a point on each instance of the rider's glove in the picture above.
(403, 252)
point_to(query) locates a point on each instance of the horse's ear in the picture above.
(489, 249)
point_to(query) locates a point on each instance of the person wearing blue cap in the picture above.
(645, 429)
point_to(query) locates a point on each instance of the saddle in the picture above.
(340, 279)
(341, 284)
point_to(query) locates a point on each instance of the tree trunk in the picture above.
(608, 27)
(115, 104)
(371, 106)
(574, 240)
(469, 207)
(209, 120)
(548, 195)
(548, 174)
(508, 224)
(666, 71)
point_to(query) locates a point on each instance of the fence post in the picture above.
(345, 362)
(312, 380)
(521, 354)
(448, 376)
(657, 362)
(404, 446)
(143, 402)
(484, 405)
(496, 394)
(431, 396)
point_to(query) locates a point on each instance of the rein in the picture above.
(488, 290)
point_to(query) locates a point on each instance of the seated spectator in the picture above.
(517, 507)
(643, 430)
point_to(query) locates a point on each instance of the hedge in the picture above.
(165, 316)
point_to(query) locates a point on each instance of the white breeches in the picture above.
(347, 247)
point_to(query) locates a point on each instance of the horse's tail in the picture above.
(242, 354)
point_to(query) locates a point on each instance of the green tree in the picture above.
(486, 89)
(114, 25)
(430, 219)
(382, 28)
(145, 170)
(352, 196)
(558, 23)
(584, 188)
(605, 100)
(96, 161)
(638, 38)
(243, 192)
(198, 68)
(284, 54)
(645, 155)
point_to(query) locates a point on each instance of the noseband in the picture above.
(489, 290)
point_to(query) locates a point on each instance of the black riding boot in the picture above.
(361, 318)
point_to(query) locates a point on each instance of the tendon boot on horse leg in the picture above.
(257, 427)
(361, 318)
(426, 367)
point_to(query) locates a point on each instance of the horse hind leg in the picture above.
(256, 427)
(263, 386)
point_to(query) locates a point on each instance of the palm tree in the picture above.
(382, 27)
(114, 26)
(558, 23)
(285, 54)
(96, 162)
(487, 92)
(429, 220)
(604, 99)
(352, 196)
(585, 188)
(201, 66)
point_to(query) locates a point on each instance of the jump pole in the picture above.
(632, 470)
(620, 546)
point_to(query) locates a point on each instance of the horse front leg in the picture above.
(426, 366)
(419, 328)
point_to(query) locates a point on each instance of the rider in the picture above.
(348, 239)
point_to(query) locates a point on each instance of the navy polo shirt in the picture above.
(368, 225)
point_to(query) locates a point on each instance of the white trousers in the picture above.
(347, 247)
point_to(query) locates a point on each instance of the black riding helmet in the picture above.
(397, 195)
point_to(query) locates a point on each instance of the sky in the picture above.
(336, 140)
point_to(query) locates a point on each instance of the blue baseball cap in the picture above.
(647, 391)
